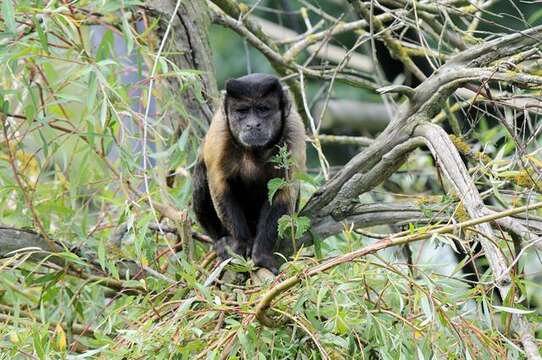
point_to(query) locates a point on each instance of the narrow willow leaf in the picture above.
(92, 85)
(513, 310)
(216, 273)
(42, 36)
(103, 112)
(8, 13)
(101, 255)
(127, 34)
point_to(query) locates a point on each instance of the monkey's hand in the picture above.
(227, 245)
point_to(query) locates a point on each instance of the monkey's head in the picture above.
(256, 107)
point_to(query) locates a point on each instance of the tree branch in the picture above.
(455, 171)
(284, 285)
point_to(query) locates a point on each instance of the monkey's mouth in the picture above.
(254, 140)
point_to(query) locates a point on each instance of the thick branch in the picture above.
(351, 115)
(499, 48)
(394, 135)
(455, 171)
(15, 240)
(190, 49)
(367, 215)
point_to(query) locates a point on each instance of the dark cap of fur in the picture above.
(252, 86)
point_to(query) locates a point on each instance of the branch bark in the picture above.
(190, 49)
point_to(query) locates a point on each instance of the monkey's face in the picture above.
(254, 108)
(255, 123)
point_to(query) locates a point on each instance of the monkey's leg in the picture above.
(207, 216)
(235, 222)
(262, 250)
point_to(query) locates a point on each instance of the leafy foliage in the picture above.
(295, 225)
(275, 185)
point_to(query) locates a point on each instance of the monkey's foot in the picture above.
(220, 248)
(266, 261)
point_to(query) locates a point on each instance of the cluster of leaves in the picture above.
(290, 226)
(74, 132)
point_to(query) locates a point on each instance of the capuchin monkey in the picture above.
(230, 198)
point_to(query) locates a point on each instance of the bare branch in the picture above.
(312, 44)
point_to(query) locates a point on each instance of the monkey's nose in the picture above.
(254, 126)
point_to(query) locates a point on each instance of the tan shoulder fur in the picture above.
(295, 135)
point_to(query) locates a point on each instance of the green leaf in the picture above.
(103, 112)
(317, 245)
(183, 139)
(513, 310)
(41, 34)
(105, 49)
(113, 269)
(299, 225)
(273, 186)
(71, 257)
(101, 255)
(9, 16)
(30, 112)
(44, 144)
(284, 223)
(51, 277)
(38, 342)
(5, 107)
(92, 94)
(302, 224)
(283, 159)
(127, 34)
(306, 178)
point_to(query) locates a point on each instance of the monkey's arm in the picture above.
(203, 204)
(230, 213)
(262, 250)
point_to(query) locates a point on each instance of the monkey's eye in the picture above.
(242, 111)
(263, 109)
